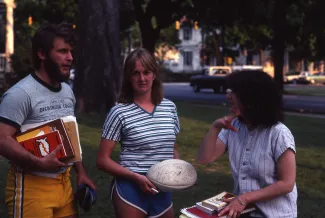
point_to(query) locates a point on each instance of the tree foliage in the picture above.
(153, 16)
(252, 24)
(41, 12)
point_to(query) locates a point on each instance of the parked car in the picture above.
(211, 78)
(292, 77)
(213, 70)
(315, 78)
(214, 77)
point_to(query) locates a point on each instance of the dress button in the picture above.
(247, 149)
(244, 178)
(244, 164)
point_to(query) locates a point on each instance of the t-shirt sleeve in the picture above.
(15, 107)
(177, 127)
(223, 136)
(113, 126)
(283, 142)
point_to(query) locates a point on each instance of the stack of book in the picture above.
(211, 207)
(42, 139)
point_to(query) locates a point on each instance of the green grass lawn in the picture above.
(306, 90)
(215, 177)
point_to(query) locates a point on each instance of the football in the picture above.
(172, 175)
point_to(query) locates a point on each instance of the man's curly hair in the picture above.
(44, 38)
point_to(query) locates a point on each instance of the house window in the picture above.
(187, 33)
(188, 56)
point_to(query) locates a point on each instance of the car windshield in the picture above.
(220, 71)
(305, 74)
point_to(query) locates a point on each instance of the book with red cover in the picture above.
(194, 212)
(199, 213)
(42, 145)
(54, 125)
(216, 202)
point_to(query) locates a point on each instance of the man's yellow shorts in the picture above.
(31, 196)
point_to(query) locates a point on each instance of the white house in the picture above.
(189, 49)
(7, 34)
(7, 23)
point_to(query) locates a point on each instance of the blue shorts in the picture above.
(152, 205)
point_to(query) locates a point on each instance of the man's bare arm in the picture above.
(13, 151)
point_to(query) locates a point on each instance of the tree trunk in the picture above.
(98, 55)
(262, 58)
(216, 41)
(299, 66)
(149, 35)
(311, 67)
(278, 46)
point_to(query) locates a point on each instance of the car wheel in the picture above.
(196, 88)
(221, 89)
(294, 81)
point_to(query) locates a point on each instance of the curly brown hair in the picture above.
(259, 94)
(149, 62)
(44, 38)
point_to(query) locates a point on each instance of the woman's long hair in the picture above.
(149, 62)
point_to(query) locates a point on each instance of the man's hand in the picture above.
(82, 178)
(50, 162)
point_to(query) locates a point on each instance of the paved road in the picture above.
(183, 92)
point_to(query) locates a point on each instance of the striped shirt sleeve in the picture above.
(284, 141)
(112, 126)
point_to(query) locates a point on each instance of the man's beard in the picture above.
(53, 70)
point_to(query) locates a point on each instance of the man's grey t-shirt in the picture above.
(31, 101)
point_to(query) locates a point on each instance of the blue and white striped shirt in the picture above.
(253, 159)
(145, 138)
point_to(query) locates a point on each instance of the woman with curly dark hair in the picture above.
(261, 149)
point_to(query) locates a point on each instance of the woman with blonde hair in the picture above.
(146, 125)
